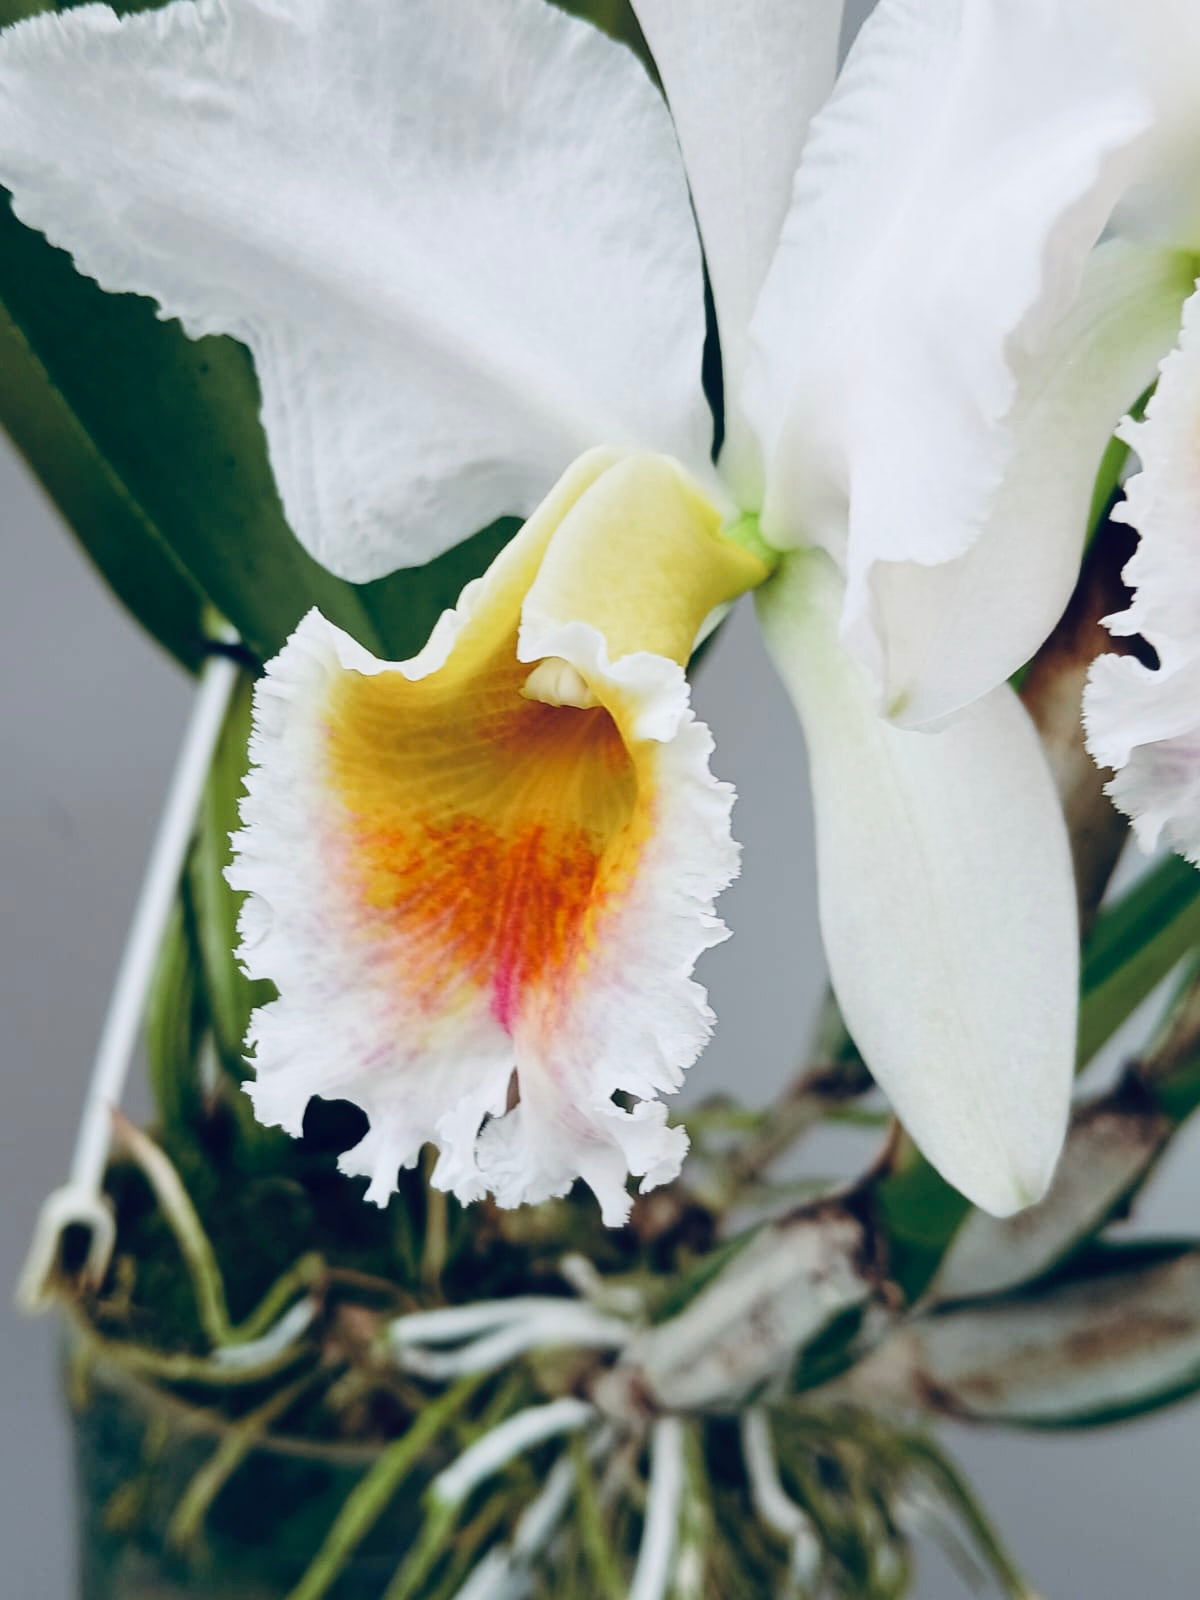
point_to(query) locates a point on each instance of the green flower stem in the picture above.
(747, 533)
(719, 1114)
(240, 1438)
(876, 1121)
(837, 1077)
(364, 1506)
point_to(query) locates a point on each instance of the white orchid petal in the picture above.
(1144, 721)
(743, 79)
(952, 632)
(455, 234)
(947, 905)
(944, 208)
(482, 910)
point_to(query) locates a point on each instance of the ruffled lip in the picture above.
(481, 903)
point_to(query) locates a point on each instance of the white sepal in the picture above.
(743, 79)
(947, 904)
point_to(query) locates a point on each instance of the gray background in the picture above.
(90, 714)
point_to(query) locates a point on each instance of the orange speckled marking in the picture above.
(489, 833)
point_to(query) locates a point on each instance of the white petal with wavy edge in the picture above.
(1145, 722)
(947, 905)
(455, 234)
(482, 909)
(953, 632)
(743, 79)
(944, 208)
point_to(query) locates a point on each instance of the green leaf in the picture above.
(108, 521)
(921, 1214)
(403, 607)
(615, 17)
(229, 994)
(1118, 1335)
(173, 1025)
(1133, 946)
(1112, 1145)
(798, 1296)
(1170, 1070)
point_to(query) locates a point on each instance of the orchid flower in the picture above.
(1145, 721)
(465, 241)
